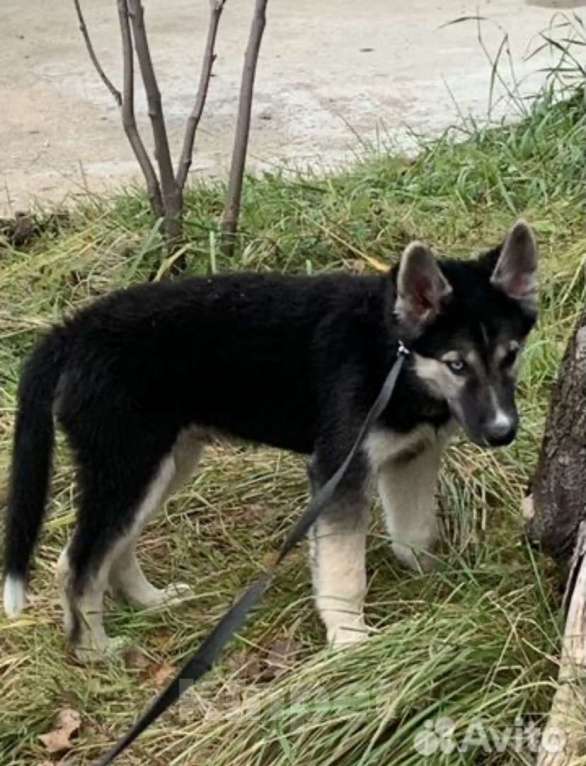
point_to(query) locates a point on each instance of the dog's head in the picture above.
(466, 323)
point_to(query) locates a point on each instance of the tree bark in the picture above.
(172, 195)
(564, 737)
(166, 190)
(558, 489)
(216, 8)
(556, 512)
(129, 118)
(232, 209)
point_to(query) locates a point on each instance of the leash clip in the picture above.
(402, 349)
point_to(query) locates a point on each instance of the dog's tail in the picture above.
(31, 464)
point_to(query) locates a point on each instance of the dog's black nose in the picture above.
(500, 432)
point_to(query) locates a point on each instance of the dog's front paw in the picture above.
(176, 593)
(342, 636)
(161, 598)
(95, 652)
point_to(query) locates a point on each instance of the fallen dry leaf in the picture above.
(162, 674)
(135, 659)
(268, 664)
(66, 726)
(246, 666)
(280, 658)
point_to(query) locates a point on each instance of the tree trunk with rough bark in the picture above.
(234, 193)
(558, 489)
(556, 512)
(563, 740)
(166, 189)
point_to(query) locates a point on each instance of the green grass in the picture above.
(477, 639)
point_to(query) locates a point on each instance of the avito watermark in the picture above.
(444, 735)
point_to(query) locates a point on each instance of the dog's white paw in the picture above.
(14, 596)
(92, 652)
(158, 598)
(176, 593)
(343, 636)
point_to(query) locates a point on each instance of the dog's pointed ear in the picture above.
(422, 289)
(515, 272)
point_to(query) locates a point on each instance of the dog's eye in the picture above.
(457, 366)
(510, 358)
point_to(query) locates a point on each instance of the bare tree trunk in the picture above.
(216, 8)
(556, 511)
(564, 737)
(232, 209)
(559, 485)
(128, 116)
(172, 194)
(92, 54)
(125, 100)
(165, 191)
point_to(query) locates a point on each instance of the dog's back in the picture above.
(243, 354)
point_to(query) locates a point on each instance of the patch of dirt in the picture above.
(22, 230)
(269, 663)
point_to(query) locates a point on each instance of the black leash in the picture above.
(234, 619)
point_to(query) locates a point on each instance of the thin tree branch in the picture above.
(216, 8)
(232, 209)
(172, 199)
(92, 54)
(128, 116)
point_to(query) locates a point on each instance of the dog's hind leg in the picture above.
(407, 488)
(109, 518)
(126, 576)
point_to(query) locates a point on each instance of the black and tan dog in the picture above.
(140, 380)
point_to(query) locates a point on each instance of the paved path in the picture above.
(330, 71)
